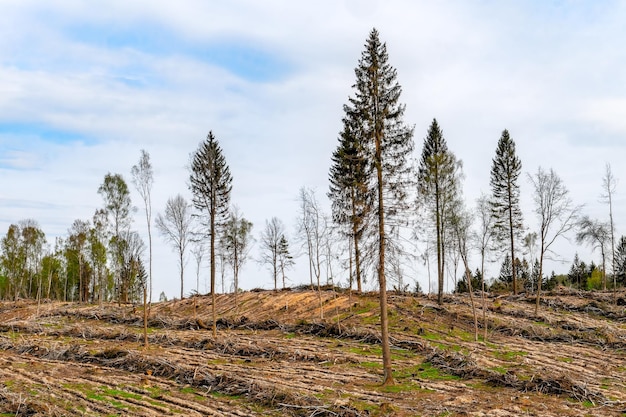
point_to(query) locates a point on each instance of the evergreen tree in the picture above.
(577, 273)
(438, 186)
(506, 270)
(505, 202)
(620, 261)
(349, 193)
(388, 145)
(285, 260)
(211, 184)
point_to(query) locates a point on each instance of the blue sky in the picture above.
(84, 86)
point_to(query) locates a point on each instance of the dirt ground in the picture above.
(306, 353)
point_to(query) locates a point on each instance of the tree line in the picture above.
(105, 258)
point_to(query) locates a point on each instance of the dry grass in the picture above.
(274, 356)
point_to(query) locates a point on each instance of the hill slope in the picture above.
(276, 354)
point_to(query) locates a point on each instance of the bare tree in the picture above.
(484, 237)
(555, 212)
(143, 178)
(236, 240)
(609, 184)
(311, 230)
(270, 246)
(461, 222)
(197, 250)
(597, 234)
(175, 226)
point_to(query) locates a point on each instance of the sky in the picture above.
(84, 86)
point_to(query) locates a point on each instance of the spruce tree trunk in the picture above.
(382, 281)
(212, 259)
(514, 272)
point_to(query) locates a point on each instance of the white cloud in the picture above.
(551, 75)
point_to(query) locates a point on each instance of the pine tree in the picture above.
(505, 202)
(438, 186)
(285, 260)
(349, 193)
(620, 260)
(388, 146)
(211, 184)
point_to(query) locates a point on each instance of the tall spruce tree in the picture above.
(505, 172)
(211, 184)
(349, 192)
(438, 186)
(388, 146)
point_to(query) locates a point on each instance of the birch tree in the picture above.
(556, 214)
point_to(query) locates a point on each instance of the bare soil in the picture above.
(276, 354)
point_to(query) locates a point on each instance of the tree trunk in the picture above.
(514, 273)
(145, 316)
(540, 277)
(484, 301)
(182, 274)
(212, 259)
(384, 322)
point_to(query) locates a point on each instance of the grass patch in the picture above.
(432, 336)
(218, 394)
(398, 388)
(565, 359)
(509, 355)
(425, 371)
(122, 394)
(371, 365)
(188, 390)
(499, 369)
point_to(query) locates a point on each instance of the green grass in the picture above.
(499, 369)
(424, 371)
(399, 388)
(188, 390)
(371, 365)
(509, 355)
(218, 394)
(432, 336)
(123, 394)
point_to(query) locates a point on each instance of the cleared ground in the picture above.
(276, 355)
